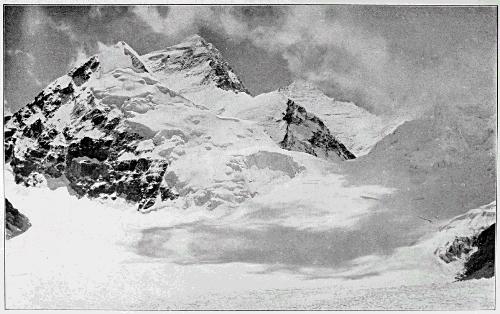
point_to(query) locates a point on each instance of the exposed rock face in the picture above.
(15, 222)
(460, 248)
(470, 243)
(481, 264)
(478, 252)
(67, 133)
(193, 64)
(355, 127)
(306, 132)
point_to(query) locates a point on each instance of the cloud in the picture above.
(102, 47)
(107, 13)
(335, 54)
(33, 20)
(332, 53)
(95, 12)
(27, 61)
(393, 61)
(36, 21)
(80, 57)
(7, 111)
(389, 60)
(66, 29)
(178, 21)
(34, 77)
(19, 52)
(82, 53)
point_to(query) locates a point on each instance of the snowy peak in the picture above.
(354, 126)
(121, 56)
(193, 65)
(302, 88)
(193, 41)
(198, 43)
(306, 133)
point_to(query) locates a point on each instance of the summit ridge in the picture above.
(194, 65)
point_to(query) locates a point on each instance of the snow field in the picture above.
(96, 255)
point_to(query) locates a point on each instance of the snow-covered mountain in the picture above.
(114, 127)
(196, 70)
(110, 129)
(457, 236)
(175, 130)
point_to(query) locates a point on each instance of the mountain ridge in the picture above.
(110, 128)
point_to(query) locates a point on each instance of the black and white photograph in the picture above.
(254, 156)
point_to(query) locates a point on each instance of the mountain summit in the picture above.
(130, 126)
(358, 129)
(193, 65)
(110, 129)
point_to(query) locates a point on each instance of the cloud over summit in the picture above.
(390, 60)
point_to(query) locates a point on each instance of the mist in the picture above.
(390, 60)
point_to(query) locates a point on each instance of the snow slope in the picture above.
(85, 254)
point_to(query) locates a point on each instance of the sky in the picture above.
(390, 60)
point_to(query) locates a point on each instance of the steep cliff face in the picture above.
(15, 222)
(481, 264)
(306, 133)
(290, 125)
(358, 129)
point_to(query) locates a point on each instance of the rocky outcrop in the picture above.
(15, 222)
(67, 133)
(481, 264)
(91, 165)
(460, 248)
(307, 133)
(467, 242)
(356, 128)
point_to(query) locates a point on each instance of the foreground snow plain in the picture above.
(86, 254)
